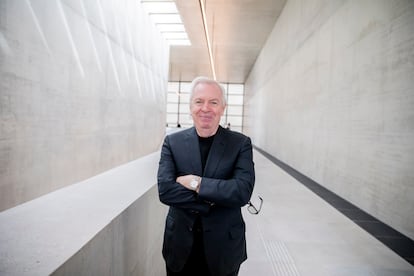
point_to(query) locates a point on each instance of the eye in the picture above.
(215, 103)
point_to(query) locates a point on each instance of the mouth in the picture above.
(206, 118)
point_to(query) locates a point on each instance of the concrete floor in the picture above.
(298, 233)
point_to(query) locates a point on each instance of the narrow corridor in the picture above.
(298, 233)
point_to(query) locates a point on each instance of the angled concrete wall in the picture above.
(109, 224)
(130, 245)
(82, 87)
(331, 95)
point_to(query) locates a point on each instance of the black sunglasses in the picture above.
(252, 209)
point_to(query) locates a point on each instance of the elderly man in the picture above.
(206, 174)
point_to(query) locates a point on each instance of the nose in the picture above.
(205, 106)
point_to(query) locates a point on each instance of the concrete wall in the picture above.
(130, 245)
(331, 95)
(82, 88)
(109, 224)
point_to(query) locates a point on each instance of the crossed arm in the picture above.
(232, 191)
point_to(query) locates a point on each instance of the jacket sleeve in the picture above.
(236, 190)
(172, 193)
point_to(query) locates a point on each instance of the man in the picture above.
(206, 174)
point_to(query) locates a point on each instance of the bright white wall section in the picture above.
(83, 88)
(331, 95)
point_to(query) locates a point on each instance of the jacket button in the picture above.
(190, 229)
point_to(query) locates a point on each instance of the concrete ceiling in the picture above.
(238, 30)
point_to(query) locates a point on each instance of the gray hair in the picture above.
(199, 80)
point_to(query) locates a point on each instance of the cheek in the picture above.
(221, 111)
(194, 111)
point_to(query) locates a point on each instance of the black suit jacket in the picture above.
(226, 186)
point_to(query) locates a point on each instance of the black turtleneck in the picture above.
(205, 145)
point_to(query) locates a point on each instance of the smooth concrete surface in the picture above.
(79, 82)
(331, 95)
(110, 224)
(298, 234)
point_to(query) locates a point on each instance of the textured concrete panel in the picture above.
(332, 96)
(130, 245)
(82, 90)
(110, 224)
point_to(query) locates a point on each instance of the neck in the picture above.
(205, 133)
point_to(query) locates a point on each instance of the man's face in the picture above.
(207, 106)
